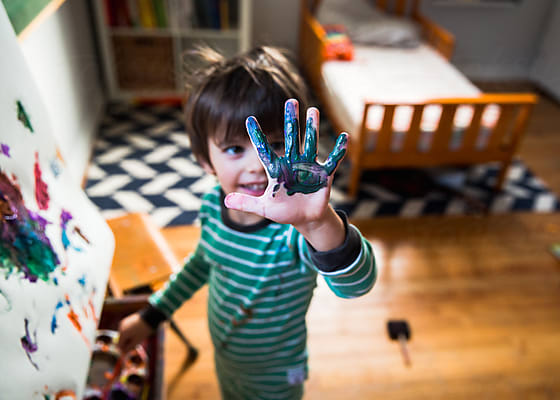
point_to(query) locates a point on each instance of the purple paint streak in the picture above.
(29, 344)
(5, 149)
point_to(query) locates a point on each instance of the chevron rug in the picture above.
(142, 163)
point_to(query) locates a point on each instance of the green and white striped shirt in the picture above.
(261, 281)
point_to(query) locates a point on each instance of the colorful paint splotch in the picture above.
(29, 344)
(299, 173)
(25, 248)
(23, 117)
(54, 320)
(65, 216)
(5, 149)
(57, 163)
(41, 188)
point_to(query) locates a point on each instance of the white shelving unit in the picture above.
(140, 62)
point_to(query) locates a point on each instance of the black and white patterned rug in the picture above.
(142, 163)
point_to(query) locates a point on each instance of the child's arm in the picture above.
(350, 269)
(180, 287)
(299, 187)
(298, 193)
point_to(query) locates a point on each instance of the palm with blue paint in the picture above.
(298, 186)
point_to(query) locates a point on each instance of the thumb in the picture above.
(124, 344)
(246, 203)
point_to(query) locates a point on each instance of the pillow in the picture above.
(366, 24)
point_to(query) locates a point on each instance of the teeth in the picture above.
(256, 186)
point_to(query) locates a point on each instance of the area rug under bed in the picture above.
(142, 163)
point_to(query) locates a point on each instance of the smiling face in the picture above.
(237, 167)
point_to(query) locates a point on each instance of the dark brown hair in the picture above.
(224, 92)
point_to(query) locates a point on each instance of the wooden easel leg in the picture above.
(191, 350)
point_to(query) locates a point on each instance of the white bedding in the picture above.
(390, 75)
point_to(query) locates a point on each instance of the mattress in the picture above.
(401, 76)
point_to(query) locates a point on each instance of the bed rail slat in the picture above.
(386, 132)
(472, 132)
(412, 137)
(442, 135)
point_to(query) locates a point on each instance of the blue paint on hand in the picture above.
(297, 172)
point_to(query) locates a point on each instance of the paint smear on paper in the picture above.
(57, 163)
(41, 188)
(65, 216)
(6, 303)
(29, 344)
(75, 319)
(80, 233)
(5, 149)
(54, 321)
(23, 116)
(24, 246)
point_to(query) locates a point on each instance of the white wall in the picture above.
(493, 42)
(546, 68)
(277, 23)
(60, 53)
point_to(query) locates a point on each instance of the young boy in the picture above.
(267, 230)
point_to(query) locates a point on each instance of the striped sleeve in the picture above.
(353, 279)
(181, 286)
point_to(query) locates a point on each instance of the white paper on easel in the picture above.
(55, 248)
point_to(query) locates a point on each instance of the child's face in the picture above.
(237, 167)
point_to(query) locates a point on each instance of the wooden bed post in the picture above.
(520, 125)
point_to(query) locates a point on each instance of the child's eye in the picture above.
(233, 150)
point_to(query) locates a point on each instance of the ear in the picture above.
(207, 167)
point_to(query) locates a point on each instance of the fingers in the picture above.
(132, 331)
(246, 203)
(311, 133)
(125, 344)
(337, 153)
(265, 152)
(291, 129)
(126, 341)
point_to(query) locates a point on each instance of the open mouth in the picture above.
(254, 189)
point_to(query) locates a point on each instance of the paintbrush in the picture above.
(399, 330)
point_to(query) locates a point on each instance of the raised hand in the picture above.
(299, 187)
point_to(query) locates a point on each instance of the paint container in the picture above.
(133, 381)
(65, 395)
(114, 376)
(104, 359)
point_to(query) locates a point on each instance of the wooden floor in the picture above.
(481, 294)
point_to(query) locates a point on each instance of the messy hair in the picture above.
(222, 93)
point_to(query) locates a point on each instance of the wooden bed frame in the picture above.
(515, 109)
